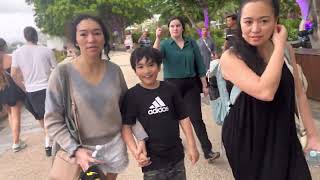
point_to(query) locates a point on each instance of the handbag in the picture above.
(64, 166)
(301, 131)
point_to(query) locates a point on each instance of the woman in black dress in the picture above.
(259, 133)
(11, 98)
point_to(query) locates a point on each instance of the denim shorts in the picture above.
(172, 172)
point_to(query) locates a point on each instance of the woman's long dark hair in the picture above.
(242, 49)
(3, 79)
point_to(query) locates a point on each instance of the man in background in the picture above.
(35, 62)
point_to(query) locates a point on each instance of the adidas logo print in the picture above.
(157, 106)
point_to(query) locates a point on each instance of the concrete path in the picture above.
(32, 164)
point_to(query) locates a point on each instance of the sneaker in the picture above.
(19, 146)
(48, 151)
(211, 156)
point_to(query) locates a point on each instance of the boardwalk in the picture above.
(32, 164)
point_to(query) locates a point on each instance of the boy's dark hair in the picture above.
(151, 55)
(72, 33)
(30, 34)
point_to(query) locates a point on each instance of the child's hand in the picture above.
(193, 154)
(141, 154)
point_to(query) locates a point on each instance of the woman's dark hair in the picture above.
(30, 34)
(73, 31)
(180, 19)
(3, 45)
(151, 55)
(241, 48)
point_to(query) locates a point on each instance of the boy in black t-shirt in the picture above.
(159, 107)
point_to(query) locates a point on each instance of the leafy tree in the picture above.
(53, 15)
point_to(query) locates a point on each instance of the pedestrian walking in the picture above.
(35, 62)
(159, 107)
(259, 133)
(183, 66)
(144, 39)
(97, 87)
(207, 47)
(11, 98)
(231, 30)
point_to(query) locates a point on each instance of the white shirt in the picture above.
(36, 63)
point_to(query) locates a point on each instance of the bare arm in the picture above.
(157, 41)
(261, 87)
(192, 148)
(128, 138)
(17, 77)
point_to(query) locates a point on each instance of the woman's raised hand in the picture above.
(158, 32)
(280, 36)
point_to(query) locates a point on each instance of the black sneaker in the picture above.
(211, 156)
(48, 151)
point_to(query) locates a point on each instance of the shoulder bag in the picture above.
(64, 166)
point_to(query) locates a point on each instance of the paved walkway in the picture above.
(32, 164)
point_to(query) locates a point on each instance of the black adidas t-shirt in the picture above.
(159, 111)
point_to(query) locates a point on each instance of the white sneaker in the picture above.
(17, 147)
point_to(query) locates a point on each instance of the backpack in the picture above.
(222, 104)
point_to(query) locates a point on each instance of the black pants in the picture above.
(190, 92)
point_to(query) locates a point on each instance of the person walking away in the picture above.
(11, 98)
(35, 62)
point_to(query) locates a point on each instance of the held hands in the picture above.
(140, 154)
(84, 158)
(193, 154)
(280, 35)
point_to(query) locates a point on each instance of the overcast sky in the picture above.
(14, 16)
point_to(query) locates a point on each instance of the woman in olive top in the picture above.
(182, 65)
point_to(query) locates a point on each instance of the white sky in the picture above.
(14, 16)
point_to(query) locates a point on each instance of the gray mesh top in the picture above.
(98, 107)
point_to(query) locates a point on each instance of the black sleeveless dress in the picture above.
(12, 93)
(260, 137)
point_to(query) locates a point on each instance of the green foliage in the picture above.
(218, 38)
(60, 55)
(52, 16)
(292, 26)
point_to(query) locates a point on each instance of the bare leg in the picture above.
(16, 122)
(111, 176)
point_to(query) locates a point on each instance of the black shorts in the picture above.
(34, 103)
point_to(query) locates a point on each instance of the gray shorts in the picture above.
(115, 155)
